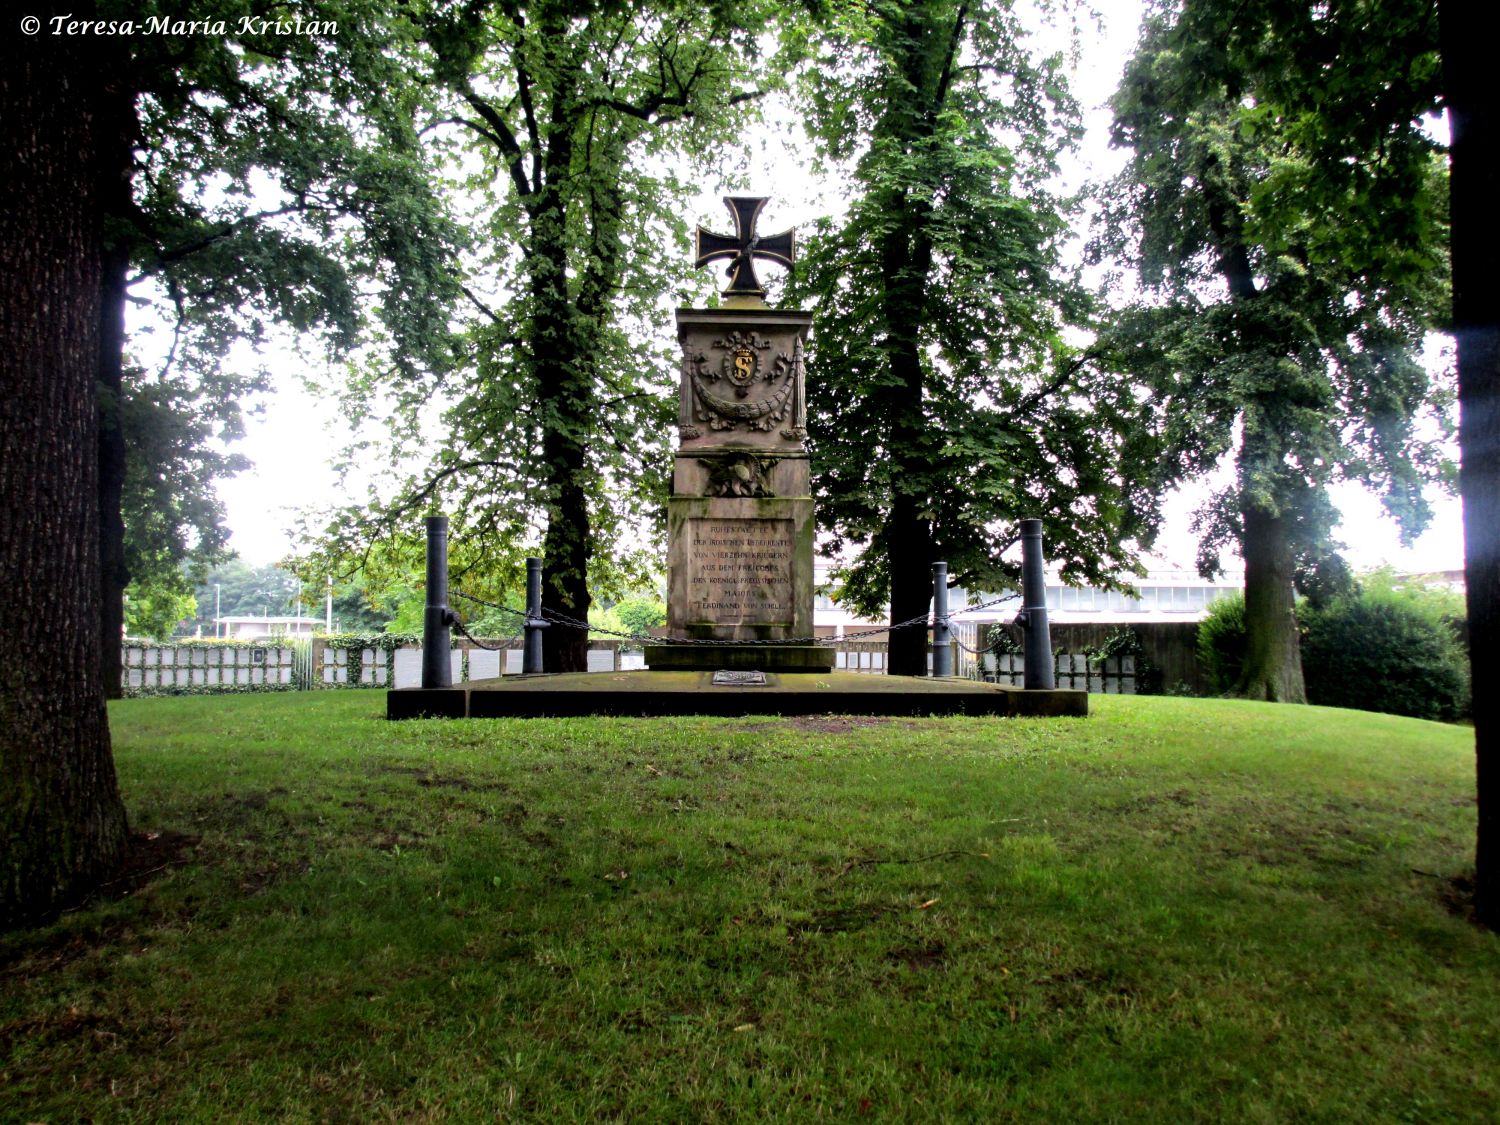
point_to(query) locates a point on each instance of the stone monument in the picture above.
(740, 518)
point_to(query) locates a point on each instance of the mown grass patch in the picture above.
(1174, 909)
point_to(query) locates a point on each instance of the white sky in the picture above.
(293, 442)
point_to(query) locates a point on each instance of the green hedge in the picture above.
(1382, 651)
(1221, 642)
(1376, 649)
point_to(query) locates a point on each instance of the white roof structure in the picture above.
(1165, 594)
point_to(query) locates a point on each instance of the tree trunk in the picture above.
(1273, 650)
(906, 264)
(925, 60)
(566, 405)
(114, 575)
(118, 133)
(909, 552)
(62, 824)
(908, 533)
(1273, 661)
(1473, 185)
(565, 554)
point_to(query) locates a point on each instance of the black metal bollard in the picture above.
(942, 647)
(531, 654)
(437, 664)
(1033, 616)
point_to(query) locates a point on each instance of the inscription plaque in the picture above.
(740, 570)
(728, 677)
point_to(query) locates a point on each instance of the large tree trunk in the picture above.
(1474, 186)
(114, 575)
(62, 823)
(566, 406)
(117, 134)
(565, 553)
(907, 534)
(1273, 649)
(926, 62)
(1273, 661)
(909, 553)
(906, 265)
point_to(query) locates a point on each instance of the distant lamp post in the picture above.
(217, 633)
(328, 622)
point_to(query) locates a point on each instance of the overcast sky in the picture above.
(293, 442)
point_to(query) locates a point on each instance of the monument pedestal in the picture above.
(740, 518)
(732, 657)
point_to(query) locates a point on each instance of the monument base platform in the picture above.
(650, 694)
(766, 658)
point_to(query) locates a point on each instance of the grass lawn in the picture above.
(1171, 910)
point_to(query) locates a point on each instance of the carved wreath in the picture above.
(740, 367)
(742, 475)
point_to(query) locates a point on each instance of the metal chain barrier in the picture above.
(503, 646)
(645, 638)
(982, 649)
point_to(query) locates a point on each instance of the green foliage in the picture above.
(1385, 646)
(173, 518)
(156, 611)
(636, 615)
(1002, 640)
(561, 131)
(1287, 215)
(1385, 649)
(949, 404)
(1275, 312)
(1433, 593)
(407, 606)
(281, 180)
(244, 591)
(1221, 642)
(1122, 641)
(1125, 641)
(379, 642)
(277, 180)
(385, 586)
(641, 613)
(354, 610)
(501, 623)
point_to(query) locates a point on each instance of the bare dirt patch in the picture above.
(429, 780)
(931, 956)
(148, 855)
(821, 724)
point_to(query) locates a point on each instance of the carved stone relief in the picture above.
(742, 386)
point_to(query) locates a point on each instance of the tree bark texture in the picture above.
(1273, 660)
(62, 823)
(1474, 187)
(118, 130)
(1273, 648)
(908, 533)
(906, 263)
(910, 558)
(114, 575)
(566, 403)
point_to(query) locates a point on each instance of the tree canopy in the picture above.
(1292, 266)
(947, 402)
(553, 435)
(265, 179)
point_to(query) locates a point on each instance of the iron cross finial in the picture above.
(745, 246)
